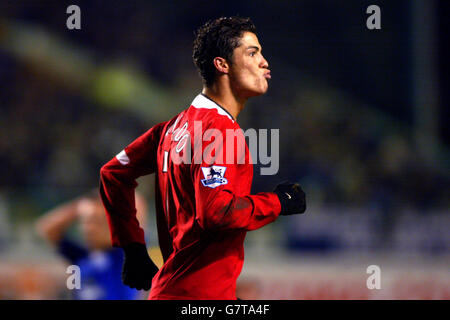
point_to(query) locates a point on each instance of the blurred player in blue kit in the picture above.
(99, 262)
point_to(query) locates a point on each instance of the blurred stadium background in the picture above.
(363, 119)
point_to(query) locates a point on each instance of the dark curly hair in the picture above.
(218, 38)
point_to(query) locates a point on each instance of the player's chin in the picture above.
(255, 91)
(260, 91)
(265, 86)
(263, 90)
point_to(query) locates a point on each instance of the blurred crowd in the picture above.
(356, 155)
(55, 137)
(71, 100)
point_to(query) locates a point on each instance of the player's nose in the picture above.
(264, 64)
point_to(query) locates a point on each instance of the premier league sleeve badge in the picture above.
(214, 176)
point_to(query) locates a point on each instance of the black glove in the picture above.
(292, 198)
(138, 269)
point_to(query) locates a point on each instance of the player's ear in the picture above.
(221, 65)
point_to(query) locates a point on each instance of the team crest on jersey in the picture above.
(214, 176)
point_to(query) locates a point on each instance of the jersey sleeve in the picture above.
(118, 184)
(219, 204)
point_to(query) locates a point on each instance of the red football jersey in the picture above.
(203, 173)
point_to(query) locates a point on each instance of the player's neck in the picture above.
(226, 99)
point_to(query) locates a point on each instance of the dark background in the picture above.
(362, 113)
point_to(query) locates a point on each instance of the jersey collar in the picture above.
(201, 101)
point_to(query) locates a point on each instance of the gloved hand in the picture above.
(138, 269)
(292, 198)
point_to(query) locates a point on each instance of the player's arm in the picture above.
(118, 184)
(117, 191)
(221, 208)
(53, 225)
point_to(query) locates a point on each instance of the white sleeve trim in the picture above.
(123, 158)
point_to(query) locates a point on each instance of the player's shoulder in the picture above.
(209, 113)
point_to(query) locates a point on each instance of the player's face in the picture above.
(249, 71)
(94, 225)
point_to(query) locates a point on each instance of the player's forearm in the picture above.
(228, 211)
(55, 223)
(117, 191)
